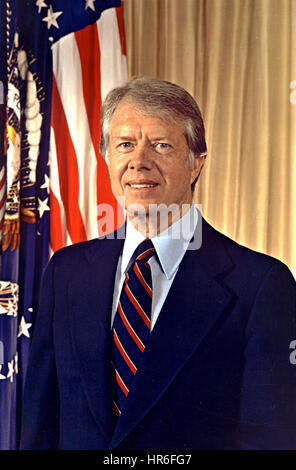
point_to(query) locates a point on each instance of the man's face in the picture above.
(148, 159)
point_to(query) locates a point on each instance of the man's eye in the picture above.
(123, 146)
(162, 147)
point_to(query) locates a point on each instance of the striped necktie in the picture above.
(131, 327)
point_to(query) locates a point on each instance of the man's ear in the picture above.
(199, 161)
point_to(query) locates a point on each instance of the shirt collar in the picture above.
(170, 245)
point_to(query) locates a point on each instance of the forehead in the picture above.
(129, 116)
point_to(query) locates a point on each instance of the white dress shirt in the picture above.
(170, 246)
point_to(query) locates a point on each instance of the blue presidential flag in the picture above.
(30, 28)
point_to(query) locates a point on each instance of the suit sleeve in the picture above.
(40, 413)
(268, 393)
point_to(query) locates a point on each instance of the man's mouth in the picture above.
(142, 185)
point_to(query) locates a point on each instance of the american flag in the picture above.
(61, 57)
(85, 68)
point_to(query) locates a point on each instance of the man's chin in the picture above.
(138, 209)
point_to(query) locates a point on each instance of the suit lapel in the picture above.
(194, 305)
(90, 304)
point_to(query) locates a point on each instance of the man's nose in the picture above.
(141, 158)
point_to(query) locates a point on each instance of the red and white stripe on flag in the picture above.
(86, 65)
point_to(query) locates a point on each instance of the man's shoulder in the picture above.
(243, 257)
(89, 250)
(77, 248)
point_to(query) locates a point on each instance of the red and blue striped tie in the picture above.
(131, 327)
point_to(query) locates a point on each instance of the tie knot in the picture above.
(145, 250)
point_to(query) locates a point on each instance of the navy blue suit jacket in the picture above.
(216, 372)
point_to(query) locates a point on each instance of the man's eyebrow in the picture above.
(130, 138)
(124, 137)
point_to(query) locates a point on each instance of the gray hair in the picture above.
(163, 99)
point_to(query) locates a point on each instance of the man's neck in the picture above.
(157, 219)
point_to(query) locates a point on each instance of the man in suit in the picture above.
(212, 369)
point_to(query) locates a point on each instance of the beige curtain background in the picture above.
(238, 59)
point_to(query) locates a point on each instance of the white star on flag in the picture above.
(2, 377)
(51, 18)
(90, 4)
(23, 328)
(40, 4)
(10, 371)
(43, 206)
(46, 183)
